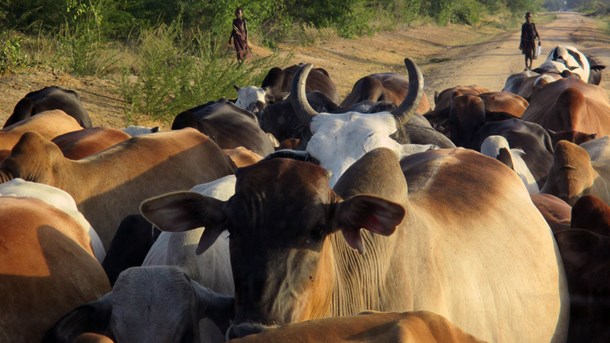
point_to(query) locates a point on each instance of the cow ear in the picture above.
(505, 157)
(183, 211)
(92, 317)
(217, 307)
(375, 214)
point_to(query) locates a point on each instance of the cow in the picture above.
(47, 268)
(529, 137)
(277, 83)
(469, 112)
(585, 251)
(146, 304)
(133, 239)
(496, 146)
(290, 264)
(382, 87)
(110, 185)
(575, 137)
(439, 116)
(211, 269)
(49, 124)
(402, 122)
(525, 82)
(242, 157)
(593, 214)
(570, 104)
(368, 327)
(569, 59)
(580, 170)
(556, 212)
(227, 125)
(82, 143)
(50, 98)
(251, 98)
(59, 199)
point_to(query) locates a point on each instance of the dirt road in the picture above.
(448, 56)
(446, 64)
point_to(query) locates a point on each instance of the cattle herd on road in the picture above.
(288, 215)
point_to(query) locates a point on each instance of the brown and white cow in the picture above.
(570, 104)
(110, 185)
(48, 124)
(47, 268)
(455, 227)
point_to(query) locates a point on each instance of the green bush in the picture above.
(175, 73)
(12, 56)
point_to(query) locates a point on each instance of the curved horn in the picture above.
(298, 98)
(407, 108)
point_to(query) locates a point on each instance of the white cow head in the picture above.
(491, 147)
(567, 58)
(251, 98)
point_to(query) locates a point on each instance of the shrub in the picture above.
(12, 56)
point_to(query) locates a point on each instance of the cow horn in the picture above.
(298, 98)
(407, 108)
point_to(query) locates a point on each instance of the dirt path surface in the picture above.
(448, 56)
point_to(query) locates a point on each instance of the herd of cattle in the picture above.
(485, 218)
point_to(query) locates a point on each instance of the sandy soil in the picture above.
(448, 56)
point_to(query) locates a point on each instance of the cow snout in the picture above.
(245, 329)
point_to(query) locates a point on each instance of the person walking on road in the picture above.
(239, 35)
(528, 37)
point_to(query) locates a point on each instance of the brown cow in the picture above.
(110, 185)
(586, 257)
(290, 264)
(388, 87)
(242, 157)
(82, 143)
(277, 83)
(525, 82)
(555, 211)
(48, 124)
(579, 170)
(47, 268)
(570, 104)
(439, 116)
(368, 327)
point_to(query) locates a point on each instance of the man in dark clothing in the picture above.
(528, 36)
(239, 35)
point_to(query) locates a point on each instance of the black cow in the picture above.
(50, 98)
(228, 125)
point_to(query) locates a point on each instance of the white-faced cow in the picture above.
(227, 125)
(47, 268)
(569, 59)
(110, 185)
(290, 263)
(496, 146)
(50, 98)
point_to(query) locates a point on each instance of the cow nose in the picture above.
(245, 329)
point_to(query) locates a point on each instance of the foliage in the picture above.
(175, 73)
(12, 56)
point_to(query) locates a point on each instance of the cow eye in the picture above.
(318, 232)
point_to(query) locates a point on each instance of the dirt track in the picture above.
(448, 56)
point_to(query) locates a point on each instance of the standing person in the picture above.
(239, 35)
(527, 45)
